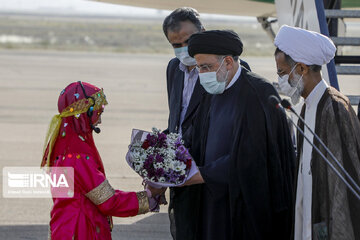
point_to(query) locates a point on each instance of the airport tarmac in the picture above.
(135, 86)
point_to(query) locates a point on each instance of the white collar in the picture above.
(236, 76)
(316, 94)
(185, 69)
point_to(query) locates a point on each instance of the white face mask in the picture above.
(298, 89)
(293, 92)
(183, 55)
(211, 83)
(284, 85)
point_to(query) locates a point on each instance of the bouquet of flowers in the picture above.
(160, 159)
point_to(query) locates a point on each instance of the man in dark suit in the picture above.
(184, 95)
(183, 88)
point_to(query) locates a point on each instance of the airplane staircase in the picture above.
(345, 64)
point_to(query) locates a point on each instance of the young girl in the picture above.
(70, 143)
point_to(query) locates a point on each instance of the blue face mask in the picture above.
(211, 83)
(183, 55)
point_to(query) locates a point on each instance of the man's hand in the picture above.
(196, 179)
(156, 191)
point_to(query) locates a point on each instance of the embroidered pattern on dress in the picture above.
(143, 202)
(101, 193)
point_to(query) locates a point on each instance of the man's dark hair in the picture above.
(291, 62)
(172, 22)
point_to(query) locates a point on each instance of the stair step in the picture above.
(349, 41)
(348, 70)
(342, 13)
(354, 99)
(347, 59)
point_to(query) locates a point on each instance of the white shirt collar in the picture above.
(185, 69)
(236, 76)
(316, 94)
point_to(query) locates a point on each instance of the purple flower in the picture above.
(151, 173)
(148, 164)
(178, 142)
(162, 140)
(159, 172)
(181, 178)
(159, 158)
(171, 176)
(182, 154)
(159, 142)
(151, 139)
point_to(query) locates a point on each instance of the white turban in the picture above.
(308, 47)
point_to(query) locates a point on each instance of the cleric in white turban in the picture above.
(308, 47)
(324, 207)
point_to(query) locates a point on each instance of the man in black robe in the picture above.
(242, 147)
(184, 93)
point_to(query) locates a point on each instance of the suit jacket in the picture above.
(175, 86)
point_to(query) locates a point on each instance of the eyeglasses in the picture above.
(203, 68)
(208, 67)
(282, 72)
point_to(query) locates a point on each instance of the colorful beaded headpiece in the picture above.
(73, 109)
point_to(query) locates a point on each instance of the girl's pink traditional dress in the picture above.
(70, 143)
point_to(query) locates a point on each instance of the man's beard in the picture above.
(298, 84)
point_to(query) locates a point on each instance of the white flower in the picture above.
(137, 167)
(178, 166)
(135, 155)
(155, 131)
(136, 145)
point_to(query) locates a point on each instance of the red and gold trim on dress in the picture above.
(143, 202)
(101, 193)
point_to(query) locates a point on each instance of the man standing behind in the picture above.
(184, 95)
(325, 208)
(242, 146)
(183, 87)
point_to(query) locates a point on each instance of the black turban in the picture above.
(218, 42)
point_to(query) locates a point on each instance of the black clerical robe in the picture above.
(180, 206)
(248, 168)
(215, 207)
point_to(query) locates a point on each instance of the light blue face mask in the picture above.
(183, 55)
(211, 83)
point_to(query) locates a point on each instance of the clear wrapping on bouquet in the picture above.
(160, 159)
